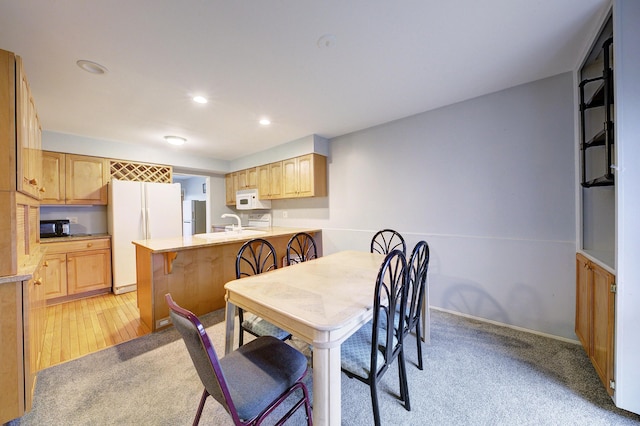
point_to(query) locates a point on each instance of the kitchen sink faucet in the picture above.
(239, 227)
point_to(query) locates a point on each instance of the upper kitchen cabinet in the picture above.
(248, 178)
(304, 176)
(74, 179)
(270, 181)
(53, 177)
(29, 137)
(20, 131)
(231, 185)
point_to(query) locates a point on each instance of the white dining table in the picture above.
(322, 302)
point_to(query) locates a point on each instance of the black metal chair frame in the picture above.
(300, 248)
(254, 257)
(389, 303)
(416, 288)
(387, 240)
(217, 381)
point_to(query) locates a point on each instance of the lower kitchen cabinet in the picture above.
(22, 317)
(76, 268)
(595, 317)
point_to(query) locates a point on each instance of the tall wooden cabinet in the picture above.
(21, 282)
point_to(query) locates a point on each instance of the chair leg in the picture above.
(404, 384)
(419, 344)
(374, 402)
(203, 399)
(240, 336)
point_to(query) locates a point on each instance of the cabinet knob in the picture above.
(42, 189)
(33, 181)
(89, 244)
(46, 264)
(38, 282)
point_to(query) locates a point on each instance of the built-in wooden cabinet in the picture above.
(22, 320)
(247, 179)
(77, 268)
(304, 176)
(28, 131)
(231, 185)
(74, 179)
(21, 284)
(595, 316)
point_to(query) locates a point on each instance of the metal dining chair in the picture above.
(250, 382)
(387, 240)
(368, 353)
(416, 289)
(300, 248)
(255, 257)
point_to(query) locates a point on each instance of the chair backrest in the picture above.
(202, 354)
(390, 301)
(300, 248)
(416, 281)
(255, 257)
(386, 241)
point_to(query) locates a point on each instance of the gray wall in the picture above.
(488, 183)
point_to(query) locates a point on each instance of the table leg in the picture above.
(230, 319)
(326, 386)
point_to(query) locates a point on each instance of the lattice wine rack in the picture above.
(140, 172)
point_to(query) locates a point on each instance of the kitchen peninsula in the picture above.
(194, 269)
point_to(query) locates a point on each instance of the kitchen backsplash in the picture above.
(84, 220)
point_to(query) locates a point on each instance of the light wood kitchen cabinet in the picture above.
(595, 316)
(53, 173)
(304, 176)
(248, 178)
(270, 181)
(74, 179)
(77, 268)
(29, 140)
(231, 184)
(86, 180)
(22, 316)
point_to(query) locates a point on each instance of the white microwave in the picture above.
(247, 199)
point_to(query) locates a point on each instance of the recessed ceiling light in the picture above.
(175, 140)
(200, 99)
(92, 67)
(264, 121)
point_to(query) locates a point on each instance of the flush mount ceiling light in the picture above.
(175, 140)
(326, 41)
(200, 99)
(92, 67)
(264, 121)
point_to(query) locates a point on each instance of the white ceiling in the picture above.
(389, 59)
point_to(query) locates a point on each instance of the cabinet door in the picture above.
(34, 318)
(28, 141)
(583, 302)
(230, 189)
(305, 176)
(603, 325)
(252, 178)
(88, 270)
(264, 182)
(275, 179)
(53, 181)
(86, 180)
(55, 275)
(290, 178)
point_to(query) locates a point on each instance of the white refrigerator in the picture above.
(139, 211)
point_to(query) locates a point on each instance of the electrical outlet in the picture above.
(73, 219)
(285, 214)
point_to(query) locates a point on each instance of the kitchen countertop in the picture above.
(193, 241)
(75, 237)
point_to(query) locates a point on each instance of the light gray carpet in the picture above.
(475, 374)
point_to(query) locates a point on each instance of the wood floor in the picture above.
(77, 328)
